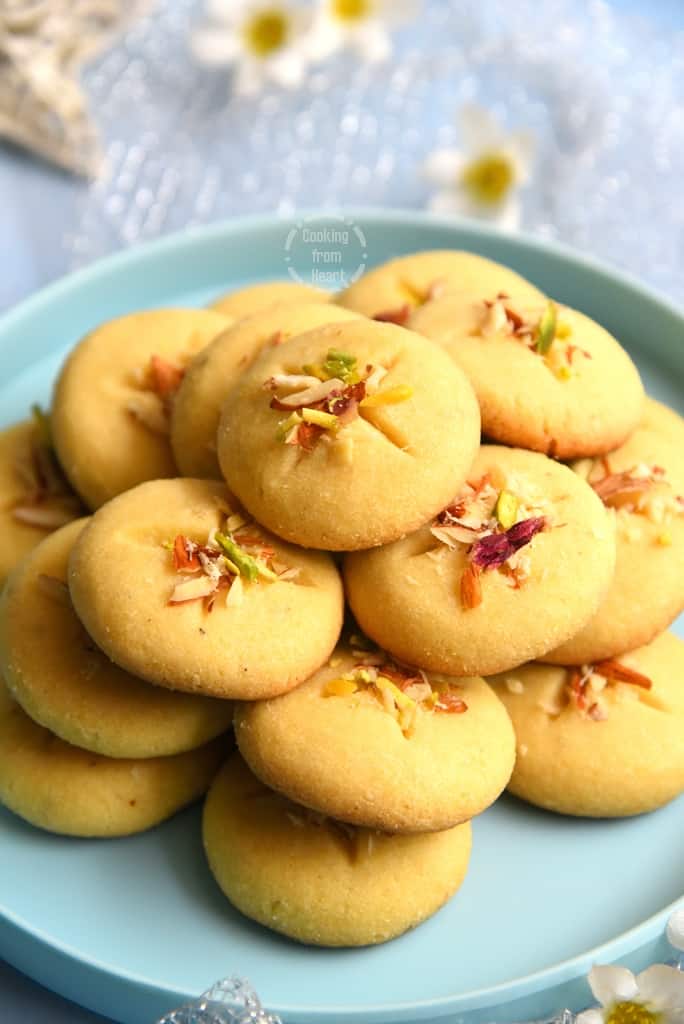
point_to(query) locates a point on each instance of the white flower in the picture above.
(362, 25)
(264, 40)
(482, 179)
(656, 996)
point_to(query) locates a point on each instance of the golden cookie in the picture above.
(348, 436)
(212, 374)
(35, 498)
(375, 745)
(177, 587)
(64, 789)
(644, 482)
(60, 678)
(521, 556)
(319, 881)
(395, 289)
(110, 412)
(602, 741)
(258, 297)
(546, 377)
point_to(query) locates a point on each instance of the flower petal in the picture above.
(612, 984)
(213, 47)
(480, 130)
(324, 39)
(522, 147)
(449, 202)
(373, 42)
(662, 987)
(443, 167)
(675, 929)
(287, 69)
(589, 1017)
(228, 12)
(250, 78)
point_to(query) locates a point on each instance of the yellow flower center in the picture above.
(631, 1013)
(266, 31)
(489, 178)
(350, 10)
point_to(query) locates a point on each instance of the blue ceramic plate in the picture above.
(133, 927)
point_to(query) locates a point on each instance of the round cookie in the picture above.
(212, 374)
(602, 741)
(399, 431)
(644, 482)
(178, 588)
(258, 297)
(521, 556)
(368, 743)
(395, 289)
(110, 409)
(55, 672)
(546, 377)
(319, 881)
(64, 789)
(34, 496)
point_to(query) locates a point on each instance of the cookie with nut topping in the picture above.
(523, 553)
(349, 435)
(603, 739)
(213, 373)
(396, 289)
(176, 585)
(642, 482)
(375, 744)
(66, 684)
(113, 397)
(546, 377)
(336, 885)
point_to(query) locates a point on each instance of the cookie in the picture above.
(257, 297)
(367, 742)
(110, 410)
(64, 789)
(35, 497)
(546, 377)
(60, 678)
(643, 481)
(522, 555)
(603, 740)
(348, 436)
(212, 374)
(180, 589)
(319, 881)
(395, 289)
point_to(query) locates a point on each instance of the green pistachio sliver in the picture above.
(285, 426)
(246, 565)
(264, 570)
(546, 329)
(327, 420)
(340, 364)
(42, 422)
(506, 509)
(229, 566)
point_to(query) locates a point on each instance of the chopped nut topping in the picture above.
(229, 559)
(159, 383)
(642, 490)
(48, 501)
(402, 694)
(479, 518)
(547, 336)
(585, 685)
(326, 397)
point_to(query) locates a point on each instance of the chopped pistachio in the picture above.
(506, 509)
(342, 365)
(327, 420)
(400, 699)
(246, 565)
(285, 426)
(393, 396)
(546, 329)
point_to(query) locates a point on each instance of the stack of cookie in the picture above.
(248, 465)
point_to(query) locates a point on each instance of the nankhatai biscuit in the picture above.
(257, 297)
(176, 586)
(522, 554)
(602, 740)
(112, 401)
(319, 881)
(547, 377)
(348, 436)
(64, 682)
(212, 374)
(368, 742)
